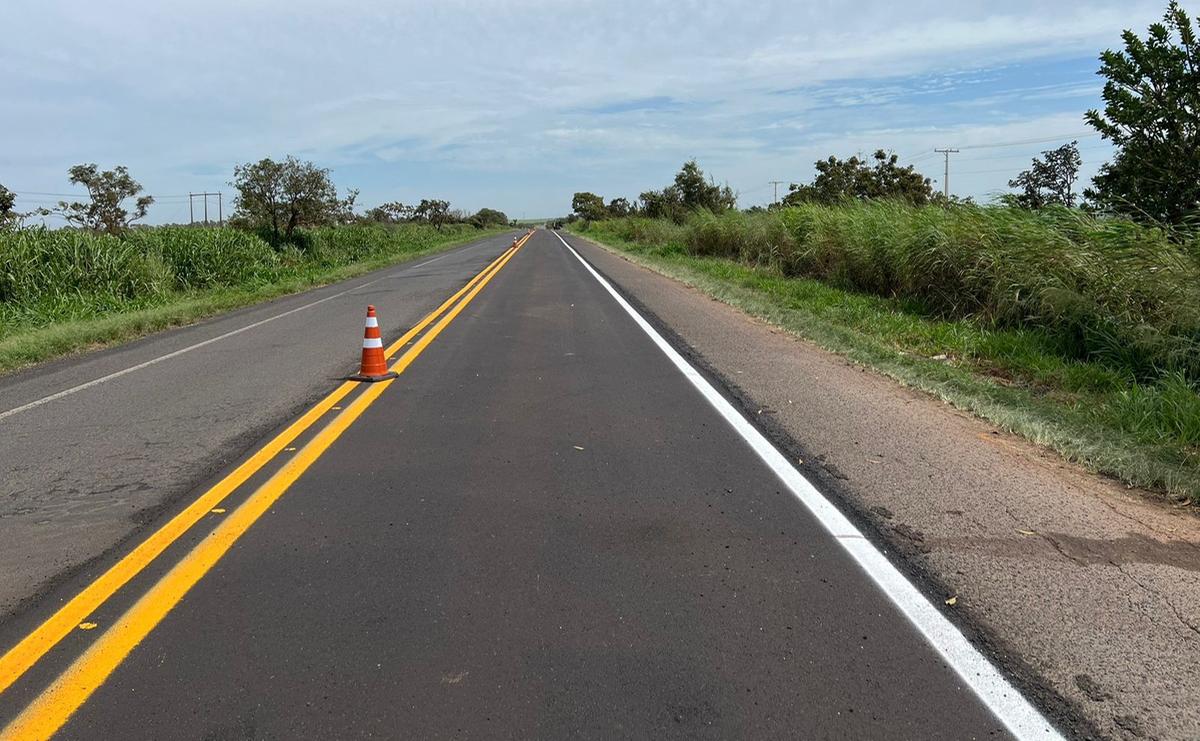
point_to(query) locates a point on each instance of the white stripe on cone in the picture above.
(372, 321)
(372, 342)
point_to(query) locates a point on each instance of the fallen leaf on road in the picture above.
(578, 448)
(218, 511)
(952, 601)
(1026, 532)
(87, 626)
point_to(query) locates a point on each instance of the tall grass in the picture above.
(54, 275)
(1101, 289)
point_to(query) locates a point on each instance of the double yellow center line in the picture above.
(54, 706)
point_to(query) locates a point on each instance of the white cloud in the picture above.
(459, 93)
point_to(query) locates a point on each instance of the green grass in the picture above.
(1130, 418)
(65, 291)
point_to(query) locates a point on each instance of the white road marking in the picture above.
(1010, 706)
(198, 345)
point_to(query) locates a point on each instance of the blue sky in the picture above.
(517, 104)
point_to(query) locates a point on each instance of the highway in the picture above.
(551, 524)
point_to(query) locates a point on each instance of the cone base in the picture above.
(372, 379)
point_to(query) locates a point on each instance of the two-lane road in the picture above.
(548, 526)
(92, 446)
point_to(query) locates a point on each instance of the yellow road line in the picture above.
(17, 660)
(54, 706)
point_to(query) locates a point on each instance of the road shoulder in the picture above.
(1087, 592)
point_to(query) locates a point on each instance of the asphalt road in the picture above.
(541, 529)
(82, 472)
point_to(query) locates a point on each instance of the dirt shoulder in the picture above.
(1089, 593)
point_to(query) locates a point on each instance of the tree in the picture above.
(589, 206)
(394, 212)
(107, 192)
(285, 195)
(1050, 180)
(1152, 117)
(485, 217)
(618, 208)
(434, 212)
(8, 202)
(663, 204)
(695, 192)
(841, 180)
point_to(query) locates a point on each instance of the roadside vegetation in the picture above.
(103, 279)
(1074, 324)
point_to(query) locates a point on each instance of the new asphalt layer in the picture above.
(541, 529)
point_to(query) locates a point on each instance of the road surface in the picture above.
(549, 525)
(86, 465)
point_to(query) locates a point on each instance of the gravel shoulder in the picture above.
(1089, 593)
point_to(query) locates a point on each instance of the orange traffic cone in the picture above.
(374, 364)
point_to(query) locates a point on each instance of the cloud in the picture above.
(515, 103)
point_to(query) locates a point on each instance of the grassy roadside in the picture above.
(30, 338)
(1013, 377)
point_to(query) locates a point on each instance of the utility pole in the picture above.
(776, 183)
(205, 196)
(946, 179)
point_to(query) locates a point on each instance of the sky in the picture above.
(517, 104)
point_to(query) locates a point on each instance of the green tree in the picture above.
(589, 206)
(433, 211)
(663, 204)
(281, 196)
(1152, 117)
(394, 212)
(840, 180)
(8, 202)
(107, 190)
(695, 192)
(618, 208)
(485, 217)
(1050, 180)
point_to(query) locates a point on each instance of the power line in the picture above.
(1041, 140)
(926, 154)
(986, 172)
(1022, 155)
(40, 193)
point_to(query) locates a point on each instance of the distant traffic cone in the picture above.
(374, 364)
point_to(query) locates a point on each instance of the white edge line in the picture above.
(198, 345)
(1006, 703)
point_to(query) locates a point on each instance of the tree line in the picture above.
(274, 198)
(1151, 115)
